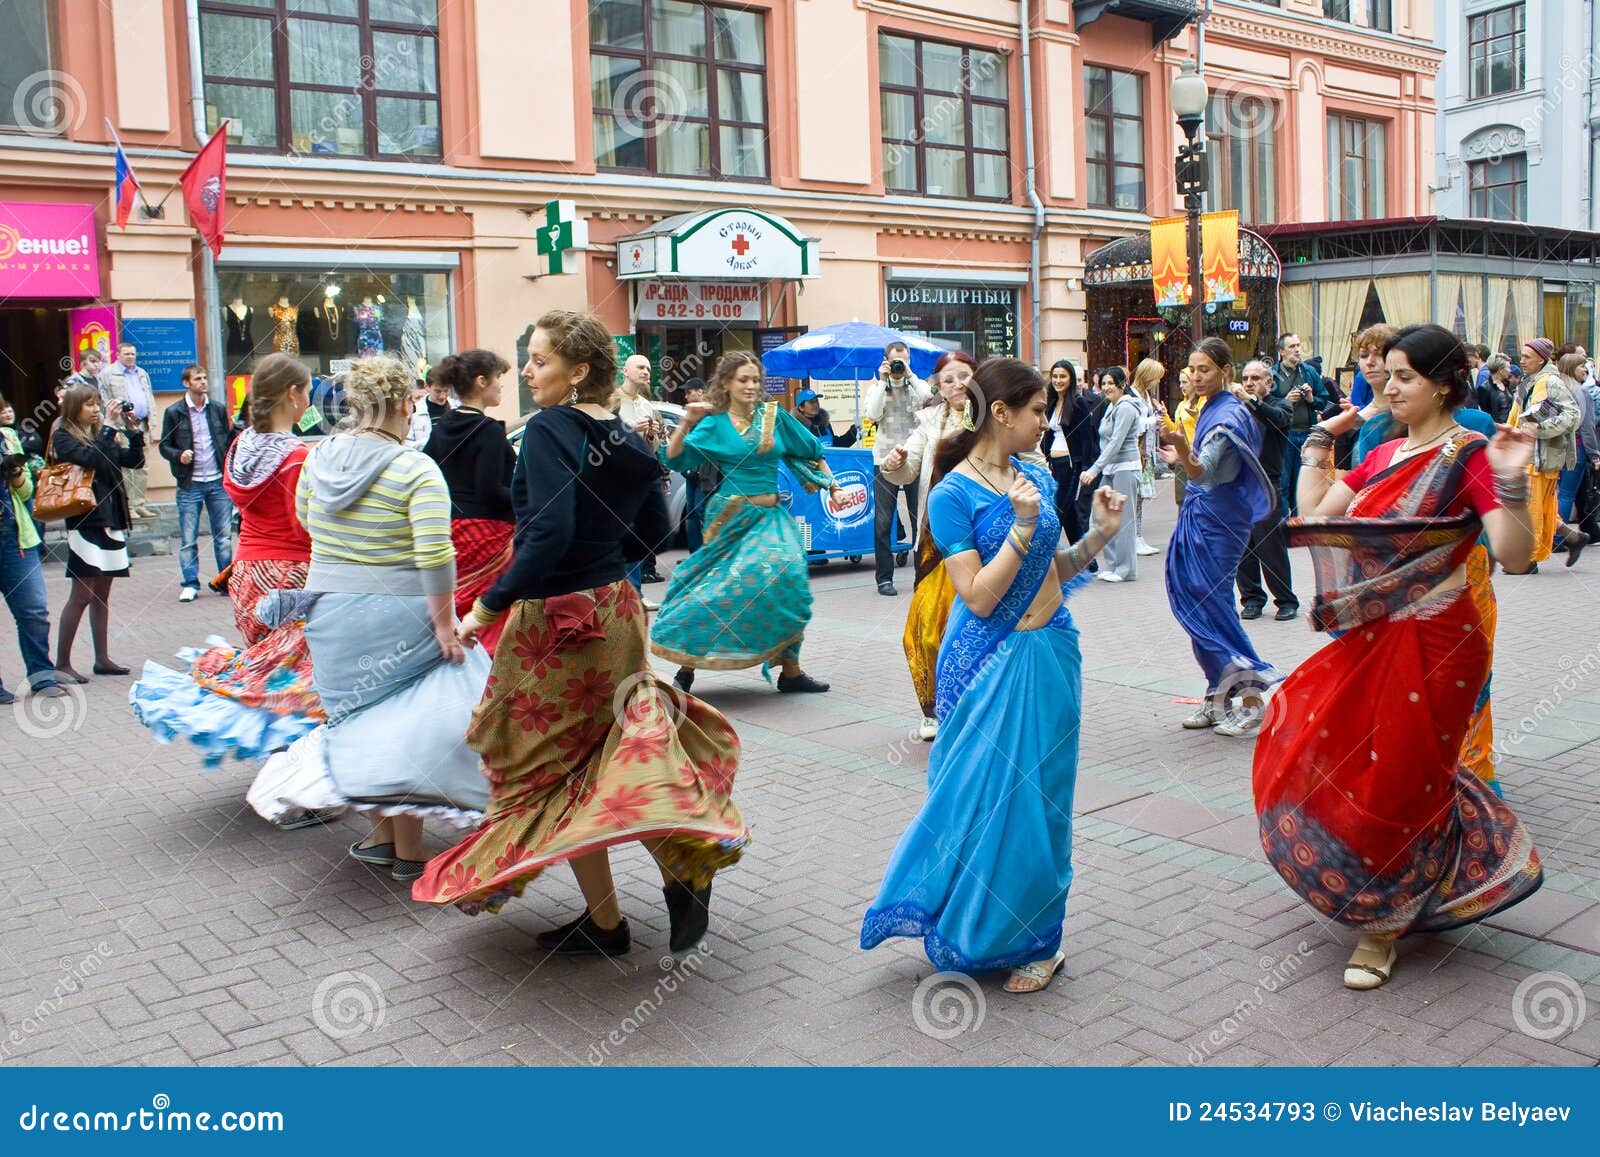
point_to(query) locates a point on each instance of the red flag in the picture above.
(205, 188)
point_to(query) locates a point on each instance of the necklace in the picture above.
(1408, 449)
(382, 434)
(742, 423)
(972, 461)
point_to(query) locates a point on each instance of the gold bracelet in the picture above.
(483, 616)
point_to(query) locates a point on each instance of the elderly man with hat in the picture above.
(1545, 406)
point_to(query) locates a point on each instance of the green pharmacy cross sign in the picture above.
(561, 231)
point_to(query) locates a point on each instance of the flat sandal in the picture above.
(1364, 974)
(1040, 973)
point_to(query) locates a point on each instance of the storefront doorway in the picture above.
(33, 358)
(678, 353)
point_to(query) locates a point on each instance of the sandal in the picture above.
(1369, 967)
(1035, 977)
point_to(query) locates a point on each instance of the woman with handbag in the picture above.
(101, 446)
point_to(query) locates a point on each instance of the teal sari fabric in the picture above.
(981, 876)
(744, 598)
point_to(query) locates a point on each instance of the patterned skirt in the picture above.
(926, 619)
(483, 549)
(586, 748)
(744, 598)
(250, 582)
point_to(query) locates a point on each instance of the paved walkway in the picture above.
(148, 917)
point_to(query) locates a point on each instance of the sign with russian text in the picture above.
(166, 347)
(738, 301)
(48, 250)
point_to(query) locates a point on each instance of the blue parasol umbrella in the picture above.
(848, 350)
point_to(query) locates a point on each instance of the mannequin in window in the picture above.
(238, 321)
(393, 327)
(413, 339)
(284, 318)
(369, 340)
(334, 328)
(306, 330)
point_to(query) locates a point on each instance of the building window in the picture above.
(1495, 51)
(32, 97)
(1380, 13)
(357, 78)
(944, 119)
(1114, 124)
(1241, 159)
(679, 89)
(1499, 188)
(1357, 172)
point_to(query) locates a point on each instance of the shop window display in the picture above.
(327, 319)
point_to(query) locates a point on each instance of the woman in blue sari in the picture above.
(744, 598)
(983, 871)
(1227, 494)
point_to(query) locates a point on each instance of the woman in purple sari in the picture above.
(1227, 494)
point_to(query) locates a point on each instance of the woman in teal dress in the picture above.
(744, 598)
(981, 875)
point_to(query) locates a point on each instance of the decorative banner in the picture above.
(48, 250)
(1219, 255)
(92, 327)
(700, 301)
(166, 346)
(1169, 261)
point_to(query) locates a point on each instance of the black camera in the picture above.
(11, 463)
(897, 368)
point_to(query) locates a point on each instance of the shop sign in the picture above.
(166, 346)
(563, 230)
(717, 245)
(700, 301)
(48, 250)
(92, 327)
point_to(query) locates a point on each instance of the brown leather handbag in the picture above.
(62, 490)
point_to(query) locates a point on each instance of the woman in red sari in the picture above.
(1366, 809)
(477, 461)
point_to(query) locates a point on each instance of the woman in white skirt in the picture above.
(97, 542)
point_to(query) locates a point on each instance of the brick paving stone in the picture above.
(217, 930)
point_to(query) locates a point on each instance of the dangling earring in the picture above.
(966, 417)
(572, 398)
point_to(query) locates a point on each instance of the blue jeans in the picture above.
(219, 510)
(636, 575)
(23, 583)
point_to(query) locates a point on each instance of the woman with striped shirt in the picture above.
(380, 624)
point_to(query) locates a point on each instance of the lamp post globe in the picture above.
(1189, 96)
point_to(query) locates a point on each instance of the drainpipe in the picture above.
(210, 296)
(1588, 114)
(1025, 27)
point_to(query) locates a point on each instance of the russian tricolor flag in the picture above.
(127, 184)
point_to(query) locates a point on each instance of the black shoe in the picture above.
(690, 912)
(1285, 614)
(407, 870)
(1250, 612)
(684, 679)
(1575, 545)
(1094, 566)
(902, 558)
(801, 682)
(50, 690)
(6, 698)
(381, 855)
(109, 669)
(1534, 569)
(583, 937)
(651, 577)
(887, 589)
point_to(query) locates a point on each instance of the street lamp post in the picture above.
(1189, 96)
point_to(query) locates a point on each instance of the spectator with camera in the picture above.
(125, 384)
(20, 577)
(891, 405)
(195, 436)
(1300, 384)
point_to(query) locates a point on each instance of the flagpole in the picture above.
(210, 291)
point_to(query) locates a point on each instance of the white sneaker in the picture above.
(189, 594)
(929, 731)
(1239, 724)
(1106, 576)
(1143, 547)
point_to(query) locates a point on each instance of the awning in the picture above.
(719, 245)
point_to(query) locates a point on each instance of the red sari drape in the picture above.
(483, 549)
(1365, 806)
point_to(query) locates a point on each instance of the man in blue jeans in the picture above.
(1298, 383)
(21, 580)
(195, 435)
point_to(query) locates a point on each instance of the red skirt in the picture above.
(1366, 809)
(483, 549)
(249, 582)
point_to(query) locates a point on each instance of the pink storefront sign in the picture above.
(48, 250)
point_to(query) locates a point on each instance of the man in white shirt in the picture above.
(635, 408)
(891, 405)
(125, 381)
(195, 435)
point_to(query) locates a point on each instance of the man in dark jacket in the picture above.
(1268, 552)
(195, 436)
(1303, 387)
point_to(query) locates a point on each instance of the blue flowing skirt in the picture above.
(1202, 560)
(983, 872)
(744, 598)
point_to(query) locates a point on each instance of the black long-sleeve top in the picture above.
(107, 458)
(1274, 415)
(588, 501)
(477, 463)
